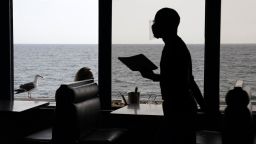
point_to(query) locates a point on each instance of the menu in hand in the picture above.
(138, 63)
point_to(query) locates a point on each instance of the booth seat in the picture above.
(78, 118)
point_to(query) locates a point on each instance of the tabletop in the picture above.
(20, 106)
(141, 109)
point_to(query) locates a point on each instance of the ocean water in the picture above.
(58, 64)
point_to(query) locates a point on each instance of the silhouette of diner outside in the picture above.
(178, 88)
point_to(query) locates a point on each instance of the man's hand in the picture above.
(150, 75)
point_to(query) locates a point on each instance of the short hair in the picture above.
(167, 16)
(83, 74)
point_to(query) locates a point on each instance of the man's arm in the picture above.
(150, 75)
(198, 95)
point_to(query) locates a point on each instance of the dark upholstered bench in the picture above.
(78, 118)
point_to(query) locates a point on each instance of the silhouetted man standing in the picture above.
(176, 80)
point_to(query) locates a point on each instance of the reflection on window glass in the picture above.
(53, 38)
(238, 49)
(131, 35)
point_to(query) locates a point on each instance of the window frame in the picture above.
(6, 51)
(212, 55)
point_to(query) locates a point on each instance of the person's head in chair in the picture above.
(83, 74)
(166, 23)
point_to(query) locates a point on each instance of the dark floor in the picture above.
(203, 137)
(208, 137)
(211, 137)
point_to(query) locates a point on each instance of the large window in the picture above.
(53, 38)
(238, 45)
(131, 34)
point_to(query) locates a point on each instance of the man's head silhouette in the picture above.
(165, 23)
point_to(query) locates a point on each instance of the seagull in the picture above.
(28, 87)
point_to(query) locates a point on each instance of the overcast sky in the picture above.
(76, 21)
(55, 21)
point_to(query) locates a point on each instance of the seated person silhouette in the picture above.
(238, 123)
(83, 73)
(178, 88)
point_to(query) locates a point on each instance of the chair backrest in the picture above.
(77, 111)
(78, 83)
